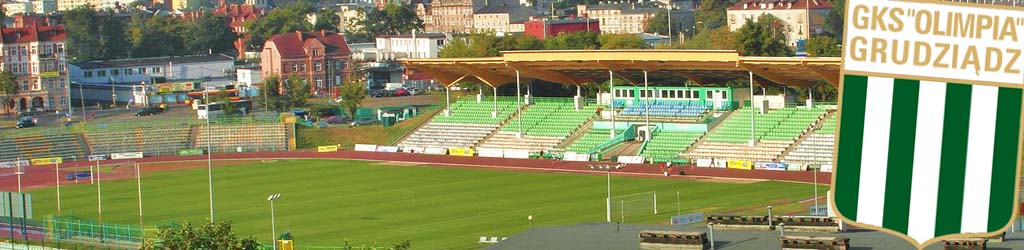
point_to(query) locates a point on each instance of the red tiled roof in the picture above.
(34, 33)
(781, 4)
(291, 44)
(239, 13)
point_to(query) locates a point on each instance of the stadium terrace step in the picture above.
(817, 147)
(774, 132)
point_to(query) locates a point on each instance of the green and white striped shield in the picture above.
(927, 159)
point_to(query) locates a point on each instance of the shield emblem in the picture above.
(928, 148)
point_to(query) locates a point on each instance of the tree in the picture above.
(210, 33)
(353, 92)
(210, 236)
(575, 40)
(296, 92)
(326, 19)
(158, 36)
(9, 86)
(834, 21)
(620, 41)
(81, 26)
(271, 93)
(712, 14)
(766, 37)
(658, 24)
(393, 19)
(823, 46)
(113, 41)
(455, 48)
(720, 38)
(280, 20)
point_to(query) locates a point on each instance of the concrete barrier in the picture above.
(739, 223)
(966, 244)
(671, 240)
(813, 243)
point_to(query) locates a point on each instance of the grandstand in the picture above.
(467, 124)
(545, 124)
(67, 146)
(774, 131)
(253, 137)
(665, 111)
(817, 147)
(591, 139)
(151, 141)
(665, 146)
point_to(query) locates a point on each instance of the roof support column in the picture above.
(519, 105)
(611, 93)
(495, 113)
(810, 98)
(578, 100)
(753, 137)
(647, 108)
(447, 101)
(480, 93)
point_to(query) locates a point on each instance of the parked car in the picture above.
(149, 111)
(362, 122)
(402, 92)
(26, 114)
(26, 122)
(414, 91)
(377, 93)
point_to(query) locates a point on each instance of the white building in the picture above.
(248, 76)
(804, 17)
(66, 5)
(30, 7)
(99, 78)
(423, 45)
(36, 57)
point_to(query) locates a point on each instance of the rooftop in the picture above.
(34, 33)
(121, 63)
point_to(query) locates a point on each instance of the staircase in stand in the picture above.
(805, 135)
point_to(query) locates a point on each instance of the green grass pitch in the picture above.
(329, 202)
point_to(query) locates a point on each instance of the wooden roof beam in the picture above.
(445, 78)
(781, 79)
(490, 78)
(830, 78)
(547, 75)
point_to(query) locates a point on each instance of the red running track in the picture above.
(44, 176)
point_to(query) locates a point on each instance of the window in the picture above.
(319, 81)
(88, 74)
(708, 94)
(24, 85)
(128, 72)
(101, 73)
(725, 94)
(295, 67)
(316, 52)
(63, 102)
(318, 67)
(49, 102)
(115, 72)
(36, 85)
(62, 85)
(303, 67)
(49, 83)
(156, 69)
(142, 70)
(60, 48)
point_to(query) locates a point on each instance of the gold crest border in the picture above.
(839, 111)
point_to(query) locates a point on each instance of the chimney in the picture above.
(298, 34)
(323, 33)
(222, 3)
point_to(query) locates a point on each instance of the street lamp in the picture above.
(273, 227)
(608, 169)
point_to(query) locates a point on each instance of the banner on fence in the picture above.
(435, 151)
(101, 157)
(128, 155)
(687, 219)
(12, 164)
(704, 163)
(573, 156)
(517, 154)
(365, 147)
(414, 150)
(819, 210)
(387, 149)
(776, 166)
(796, 167)
(16, 205)
(490, 152)
(188, 152)
(328, 148)
(737, 164)
(631, 159)
(826, 168)
(461, 151)
(78, 175)
(46, 161)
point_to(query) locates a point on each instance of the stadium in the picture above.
(663, 139)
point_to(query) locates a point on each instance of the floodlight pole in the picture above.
(138, 178)
(609, 199)
(99, 194)
(611, 92)
(57, 171)
(273, 225)
(209, 151)
(753, 137)
(519, 105)
(647, 109)
(816, 188)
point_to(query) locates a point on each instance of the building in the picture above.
(804, 17)
(66, 5)
(544, 29)
(96, 80)
(238, 14)
(36, 57)
(262, 4)
(318, 58)
(30, 7)
(348, 15)
(454, 16)
(248, 76)
(620, 18)
(185, 5)
(500, 18)
(423, 45)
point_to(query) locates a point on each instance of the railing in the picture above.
(628, 134)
